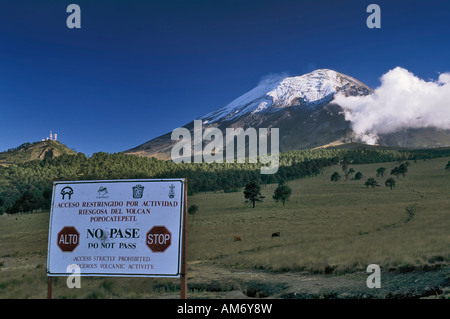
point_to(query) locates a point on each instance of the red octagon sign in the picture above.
(158, 239)
(68, 238)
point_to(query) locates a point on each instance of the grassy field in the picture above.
(325, 228)
(330, 227)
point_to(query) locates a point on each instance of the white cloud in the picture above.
(403, 100)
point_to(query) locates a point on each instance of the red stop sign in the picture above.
(158, 238)
(68, 238)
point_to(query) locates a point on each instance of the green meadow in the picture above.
(330, 227)
(327, 228)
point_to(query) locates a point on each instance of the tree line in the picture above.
(402, 169)
(27, 187)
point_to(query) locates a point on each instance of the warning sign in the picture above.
(117, 228)
(158, 239)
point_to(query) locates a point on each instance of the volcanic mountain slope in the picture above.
(301, 107)
(305, 92)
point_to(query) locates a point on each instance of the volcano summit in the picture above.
(303, 109)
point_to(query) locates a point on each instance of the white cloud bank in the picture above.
(401, 101)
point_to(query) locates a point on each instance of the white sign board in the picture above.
(116, 228)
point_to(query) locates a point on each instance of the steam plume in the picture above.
(403, 100)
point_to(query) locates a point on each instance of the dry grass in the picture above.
(325, 227)
(330, 227)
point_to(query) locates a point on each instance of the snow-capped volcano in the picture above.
(300, 106)
(304, 110)
(306, 91)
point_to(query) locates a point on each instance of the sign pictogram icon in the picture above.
(67, 191)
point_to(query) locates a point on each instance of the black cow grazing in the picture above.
(277, 234)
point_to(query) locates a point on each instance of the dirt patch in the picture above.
(239, 283)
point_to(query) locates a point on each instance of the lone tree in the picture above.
(381, 171)
(345, 168)
(390, 182)
(344, 165)
(448, 165)
(282, 193)
(192, 210)
(402, 169)
(395, 171)
(252, 192)
(358, 176)
(371, 182)
(349, 172)
(335, 177)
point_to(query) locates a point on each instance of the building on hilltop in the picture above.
(52, 137)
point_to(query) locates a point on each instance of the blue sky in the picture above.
(139, 69)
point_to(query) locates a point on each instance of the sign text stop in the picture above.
(68, 238)
(159, 238)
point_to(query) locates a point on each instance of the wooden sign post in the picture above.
(183, 279)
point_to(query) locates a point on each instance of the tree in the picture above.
(192, 210)
(252, 192)
(47, 198)
(350, 171)
(345, 169)
(28, 202)
(282, 193)
(381, 171)
(335, 177)
(371, 182)
(402, 169)
(345, 163)
(390, 183)
(358, 176)
(448, 165)
(395, 171)
(344, 166)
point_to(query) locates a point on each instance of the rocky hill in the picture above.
(34, 151)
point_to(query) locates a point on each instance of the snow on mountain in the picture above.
(308, 91)
(304, 110)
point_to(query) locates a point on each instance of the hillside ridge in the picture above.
(34, 151)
